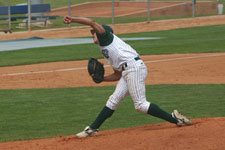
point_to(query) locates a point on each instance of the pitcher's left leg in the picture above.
(136, 85)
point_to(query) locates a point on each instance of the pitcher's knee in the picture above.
(142, 107)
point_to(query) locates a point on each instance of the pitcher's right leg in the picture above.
(111, 105)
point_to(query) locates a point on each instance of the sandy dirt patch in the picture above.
(104, 9)
(205, 68)
(205, 134)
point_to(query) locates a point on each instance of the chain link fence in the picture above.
(51, 14)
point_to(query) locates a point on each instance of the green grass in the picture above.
(58, 22)
(49, 54)
(43, 113)
(187, 40)
(54, 3)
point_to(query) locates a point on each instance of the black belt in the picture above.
(137, 58)
(125, 64)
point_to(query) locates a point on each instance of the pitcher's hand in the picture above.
(67, 19)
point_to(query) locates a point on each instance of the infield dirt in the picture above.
(205, 134)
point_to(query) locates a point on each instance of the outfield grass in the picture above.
(58, 22)
(42, 113)
(188, 40)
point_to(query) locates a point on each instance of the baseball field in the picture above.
(46, 94)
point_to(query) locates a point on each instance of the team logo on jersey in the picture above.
(105, 52)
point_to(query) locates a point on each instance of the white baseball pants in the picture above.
(132, 82)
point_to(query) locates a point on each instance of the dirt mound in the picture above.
(205, 134)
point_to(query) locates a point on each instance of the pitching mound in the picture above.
(205, 134)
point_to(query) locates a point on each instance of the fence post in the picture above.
(9, 16)
(69, 10)
(149, 11)
(112, 11)
(193, 8)
(69, 7)
(29, 15)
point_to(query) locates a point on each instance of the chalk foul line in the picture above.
(85, 68)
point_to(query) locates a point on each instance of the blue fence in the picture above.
(23, 9)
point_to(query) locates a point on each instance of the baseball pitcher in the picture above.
(131, 73)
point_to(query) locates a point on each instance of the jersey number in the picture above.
(105, 52)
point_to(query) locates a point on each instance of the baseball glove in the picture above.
(96, 70)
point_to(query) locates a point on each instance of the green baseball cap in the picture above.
(107, 28)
